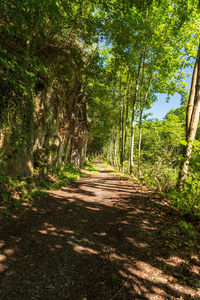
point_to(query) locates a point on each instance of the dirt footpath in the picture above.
(99, 238)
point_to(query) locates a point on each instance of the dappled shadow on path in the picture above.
(99, 238)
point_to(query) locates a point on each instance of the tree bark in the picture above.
(191, 98)
(124, 133)
(126, 117)
(115, 147)
(140, 118)
(192, 123)
(121, 123)
(133, 113)
(110, 152)
(142, 106)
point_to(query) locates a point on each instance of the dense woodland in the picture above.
(77, 79)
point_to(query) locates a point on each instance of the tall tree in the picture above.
(192, 119)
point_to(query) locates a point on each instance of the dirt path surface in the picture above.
(100, 238)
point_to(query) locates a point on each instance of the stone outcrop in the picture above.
(55, 131)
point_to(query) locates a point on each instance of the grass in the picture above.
(90, 168)
(114, 170)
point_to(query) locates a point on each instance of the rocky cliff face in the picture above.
(51, 128)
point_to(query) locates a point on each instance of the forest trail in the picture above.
(99, 238)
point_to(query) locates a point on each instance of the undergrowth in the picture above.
(13, 192)
(91, 167)
(187, 201)
(162, 176)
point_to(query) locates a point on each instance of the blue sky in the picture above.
(161, 107)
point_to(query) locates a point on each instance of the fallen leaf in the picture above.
(172, 279)
(79, 241)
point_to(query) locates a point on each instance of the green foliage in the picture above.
(4, 196)
(159, 175)
(161, 148)
(31, 189)
(65, 174)
(188, 199)
(161, 139)
(18, 204)
(117, 281)
(91, 167)
(187, 227)
(35, 194)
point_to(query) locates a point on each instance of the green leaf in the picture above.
(4, 196)
(183, 142)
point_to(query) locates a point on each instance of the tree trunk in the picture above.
(133, 113)
(126, 117)
(124, 133)
(191, 98)
(121, 123)
(192, 123)
(110, 152)
(140, 118)
(142, 106)
(132, 136)
(115, 148)
(139, 153)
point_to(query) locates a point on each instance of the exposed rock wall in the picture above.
(56, 131)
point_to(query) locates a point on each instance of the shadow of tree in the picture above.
(100, 238)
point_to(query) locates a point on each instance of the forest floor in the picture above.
(102, 237)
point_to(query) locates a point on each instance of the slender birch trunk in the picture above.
(126, 117)
(140, 117)
(115, 132)
(142, 106)
(110, 152)
(139, 151)
(124, 133)
(191, 99)
(133, 113)
(121, 108)
(192, 120)
(115, 147)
